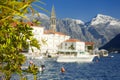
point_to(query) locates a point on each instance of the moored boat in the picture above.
(79, 57)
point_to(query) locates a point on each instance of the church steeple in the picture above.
(53, 20)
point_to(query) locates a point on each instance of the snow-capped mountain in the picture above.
(104, 28)
(100, 29)
(38, 16)
(43, 18)
(102, 19)
(78, 21)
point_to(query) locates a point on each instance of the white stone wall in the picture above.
(78, 46)
(37, 32)
(53, 41)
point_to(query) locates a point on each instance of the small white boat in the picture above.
(103, 53)
(42, 68)
(78, 58)
(40, 57)
(111, 56)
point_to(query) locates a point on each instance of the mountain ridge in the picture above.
(101, 29)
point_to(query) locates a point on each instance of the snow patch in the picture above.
(37, 15)
(114, 23)
(102, 19)
(78, 21)
(43, 16)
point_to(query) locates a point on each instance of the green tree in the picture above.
(71, 47)
(14, 34)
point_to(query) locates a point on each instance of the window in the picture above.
(65, 44)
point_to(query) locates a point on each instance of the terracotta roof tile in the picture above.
(72, 40)
(52, 32)
(89, 43)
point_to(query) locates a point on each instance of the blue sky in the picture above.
(82, 9)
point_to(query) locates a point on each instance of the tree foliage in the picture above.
(14, 34)
(71, 47)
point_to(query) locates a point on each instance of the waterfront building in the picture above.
(38, 32)
(53, 40)
(72, 45)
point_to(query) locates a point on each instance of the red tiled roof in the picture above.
(48, 32)
(72, 40)
(52, 32)
(89, 43)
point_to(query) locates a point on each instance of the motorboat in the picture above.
(79, 57)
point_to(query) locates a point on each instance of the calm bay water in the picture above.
(107, 68)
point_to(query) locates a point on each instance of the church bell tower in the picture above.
(53, 20)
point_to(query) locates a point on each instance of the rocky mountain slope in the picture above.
(101, 29)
